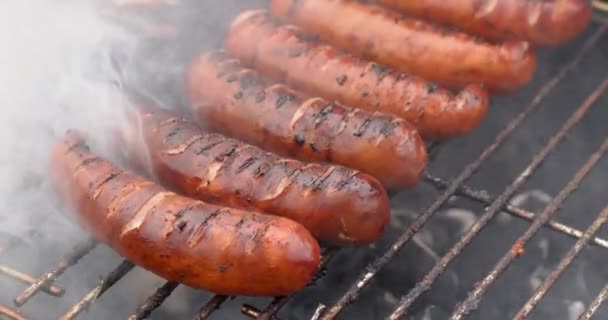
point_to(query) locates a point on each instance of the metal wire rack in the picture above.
(447, 189)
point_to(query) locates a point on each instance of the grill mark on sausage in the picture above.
(259, 235)
(113, 175)
(229, 153)
(321, 116)
(178, 222)
(318, 182)
(344, 182)
(198, 233)
(123, 194)
(250, 161)
(344, 121)
(140, 215)
(364, 126)
(84, 163)
(208, 147)
(262, 169)
(167, 122)
(282, 99)
(184, 146)
(302, 110)
(287, 181)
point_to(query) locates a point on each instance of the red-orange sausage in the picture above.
(540, 22)
(287, 54)
(234, 100)
(226, 251)
(340, 206)
(437, 54)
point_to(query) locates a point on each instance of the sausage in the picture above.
(340, 206)
(438, 54)
(546, 23)
(287, 54)
(223, 250)
(235, 100)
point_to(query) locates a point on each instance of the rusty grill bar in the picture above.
(447, 189)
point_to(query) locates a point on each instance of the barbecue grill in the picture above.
(549, 136)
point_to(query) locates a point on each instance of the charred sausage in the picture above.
(235, 100)
(287, 54)
(226, 251)
(435, 53)
(540, 22)
(340, 206)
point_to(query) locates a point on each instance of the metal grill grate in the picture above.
(447, 189)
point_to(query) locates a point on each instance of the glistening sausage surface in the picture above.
(287, 54)
(226, 251)
(234, 100)
(540, 22)
(435, 53)
(340, 206)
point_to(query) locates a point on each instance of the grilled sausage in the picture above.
(234, 100)
(287, 54)
(540, 22)
(226, 251)
(435, 53)
(340, 206)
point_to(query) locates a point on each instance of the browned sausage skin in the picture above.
(447, 57)
(234, 100)
(226, 251)
(540, 22)
(340, 206)
(287, 54)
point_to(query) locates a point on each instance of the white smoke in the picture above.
(57, 73)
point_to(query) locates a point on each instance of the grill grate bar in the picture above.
(105, 284)
(497, 205)
(563, 264)
(484, 198)
(468, 171)
(252, 312)
(27, 279)
(595, 304)
(211, 305)
(472, 301)
(276, 304)
(10, 313)
(154, 301)
(67, 261)
(318, 312)
(279, 302)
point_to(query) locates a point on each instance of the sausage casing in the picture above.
(540, 22)
(234, 100)
(287, 54)
(448, 57)
(340, 206)
(223, 250)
